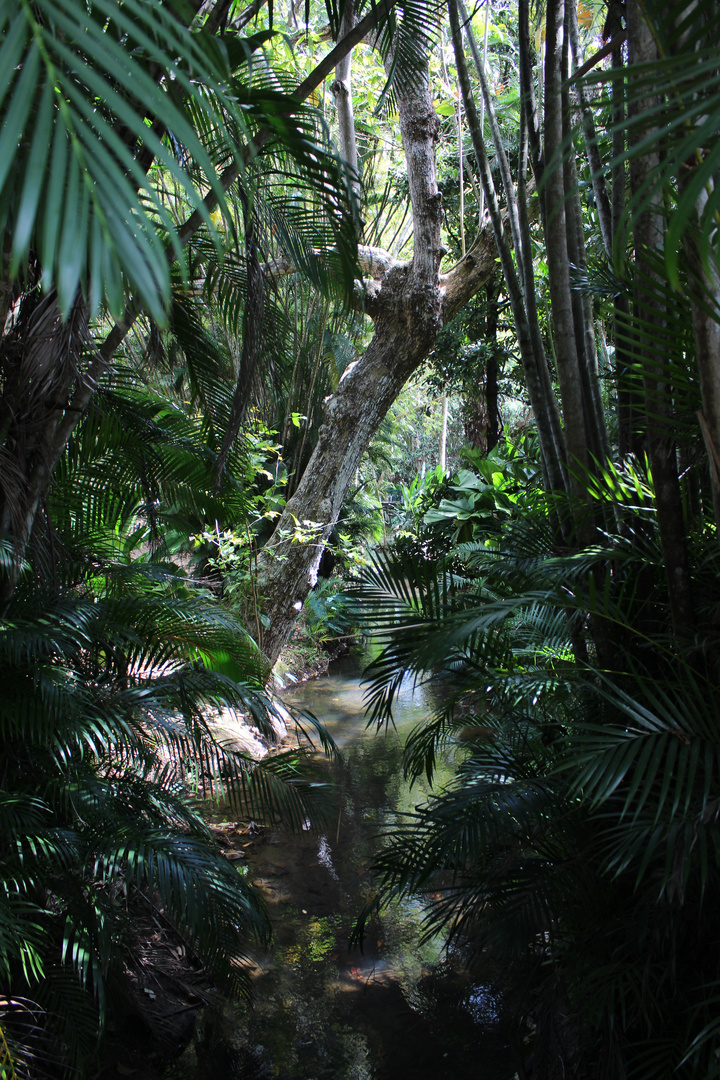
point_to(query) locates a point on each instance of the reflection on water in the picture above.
(338, 699)
(321, 1012)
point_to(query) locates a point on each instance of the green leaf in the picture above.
(27, 211)
(14, 120)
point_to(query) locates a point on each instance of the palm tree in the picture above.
(575, 841)
(114, 659)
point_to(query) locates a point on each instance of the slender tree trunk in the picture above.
(500, 155)
(628, 404)
(566, 354)
(519, 224)
(442, 452)
(542, 398)
(527, 89)
(585, 343)
(482, 413)
(648, 240)
(342, 89)
(494, 424)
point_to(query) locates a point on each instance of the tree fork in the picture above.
(408, 312)
(64, 417)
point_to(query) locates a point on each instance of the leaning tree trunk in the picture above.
(408, 316)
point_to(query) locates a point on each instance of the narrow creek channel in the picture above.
(321, 1012)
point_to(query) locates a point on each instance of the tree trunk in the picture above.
(531, 126)
(542, 397)
(483, 424)
(408, 313)
(585, 343)
(494, 422)
(566, 356)
(442, 453)
(629, 405)
(342, 90)
(648, 240)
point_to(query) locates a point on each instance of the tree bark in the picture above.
(407, 307)
(648, 240)
(542, 397)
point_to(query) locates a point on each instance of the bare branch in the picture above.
(595, 59)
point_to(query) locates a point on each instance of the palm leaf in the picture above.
(75, 190)
(678, 119)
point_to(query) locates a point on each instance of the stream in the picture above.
(321, 1012)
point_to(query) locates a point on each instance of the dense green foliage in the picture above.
(575, 630)
(579, 837)
(116, 660)
(179, 295)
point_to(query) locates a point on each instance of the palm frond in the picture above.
(657, 765)
(76, 191)
(678, 121)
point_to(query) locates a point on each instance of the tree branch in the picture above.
(87, 388)
(595, 59)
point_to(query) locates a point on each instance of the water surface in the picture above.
(323, 1012)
